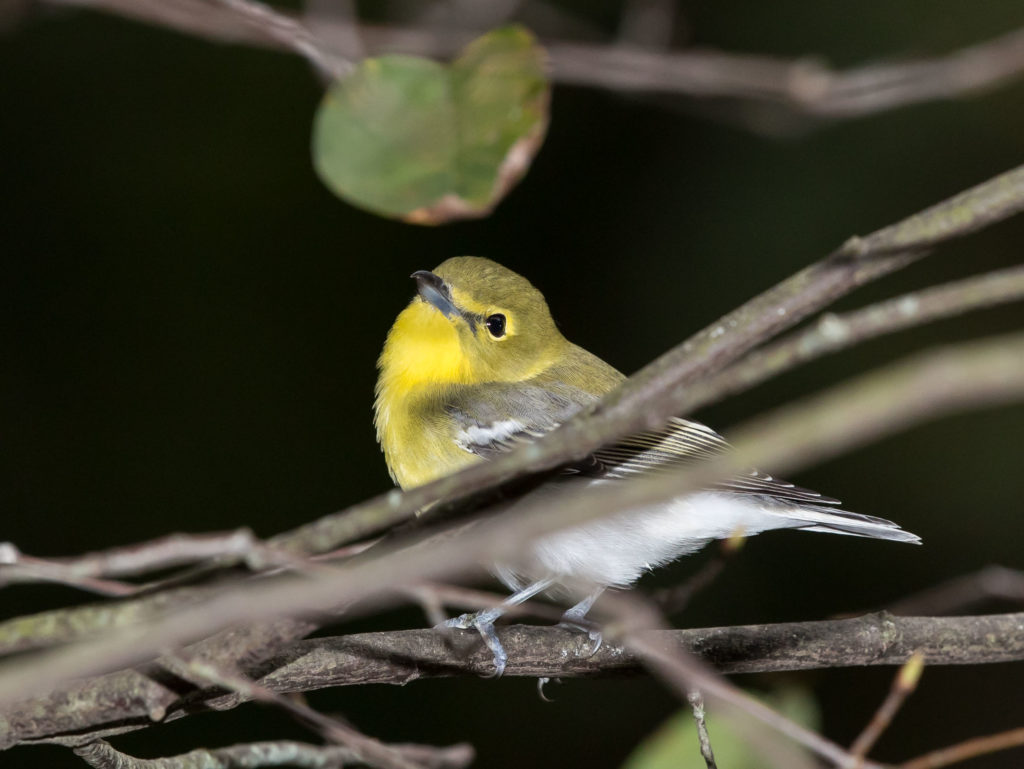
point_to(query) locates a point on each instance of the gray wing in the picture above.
(527, 412)
(681, 443)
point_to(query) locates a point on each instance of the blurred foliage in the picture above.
(191, 323)
(674, 744)
(427, 142)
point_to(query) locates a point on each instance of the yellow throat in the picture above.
(421, 357)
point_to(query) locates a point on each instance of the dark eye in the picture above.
(496, 325)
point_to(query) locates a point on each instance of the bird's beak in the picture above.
(436, 292)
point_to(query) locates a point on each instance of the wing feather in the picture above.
(498, 418)
(682, 442)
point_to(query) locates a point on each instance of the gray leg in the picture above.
(483, 621)
(575, 619)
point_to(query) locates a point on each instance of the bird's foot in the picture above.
(578, 624)
(483, 623)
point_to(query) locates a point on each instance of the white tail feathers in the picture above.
(833, 521)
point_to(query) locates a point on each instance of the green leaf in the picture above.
(426, 142)
(674, 744)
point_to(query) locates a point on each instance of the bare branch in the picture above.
(703, 738)
(291, 33)
(201, 18)
(833, 333)
(366, 749)
(230, 21)
(876, 639)
(803, 86)
(978, 746)
(102, 755)
(65, 625)
(960, 593)
(93, 570)
(123, 699)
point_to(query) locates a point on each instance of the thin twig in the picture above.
(367, 749)
(101, 755)
(961, 593)
(166, 552)
(804, 85)
(902, 687)
(291, 33)
(972, 748)
(833, 333)
(684, 673)
(703, 738)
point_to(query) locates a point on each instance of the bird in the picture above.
(475, 366)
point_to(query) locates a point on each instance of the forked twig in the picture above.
(902, 687)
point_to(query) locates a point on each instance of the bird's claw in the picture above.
(483, 623)
(462, 622)
(580, 625)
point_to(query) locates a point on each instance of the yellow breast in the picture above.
(422, 358)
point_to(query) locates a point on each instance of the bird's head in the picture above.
(472, 321)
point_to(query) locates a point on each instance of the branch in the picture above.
(960, 593)
(367, 749)
(400, 657)
(805, 85)
(290, 33)
(92, 571)
(978, 746)
(59, 626)
(902, 687)
(102, 755)
(941, 382)
(703, 738)
(534, 652)
(833, 333)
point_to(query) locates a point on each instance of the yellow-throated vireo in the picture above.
(475, 365)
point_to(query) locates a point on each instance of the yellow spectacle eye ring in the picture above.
(495, 325)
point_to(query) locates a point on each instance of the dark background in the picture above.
(191, 322)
